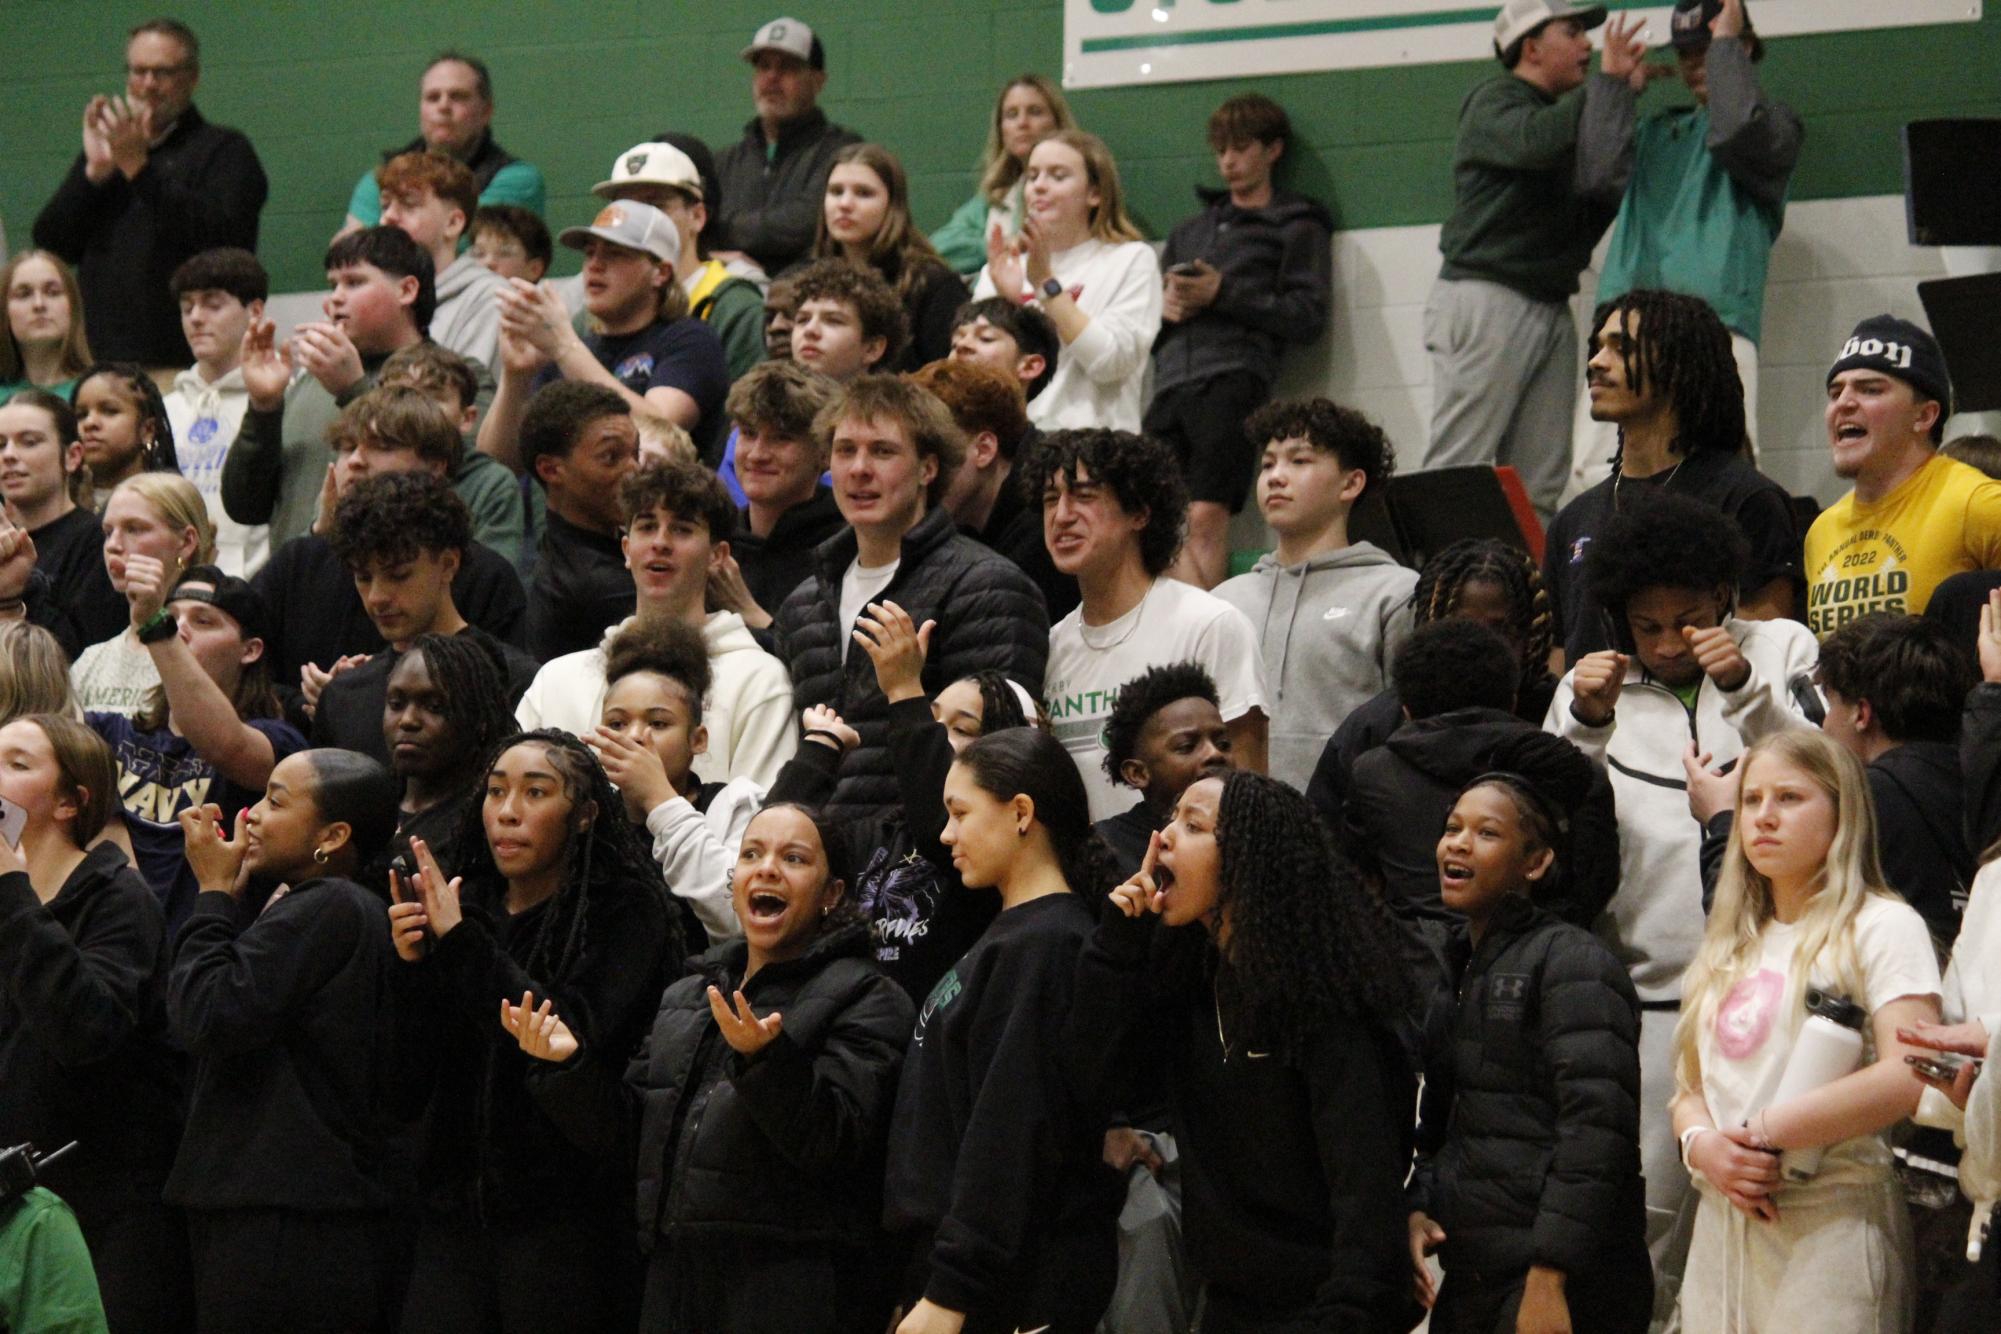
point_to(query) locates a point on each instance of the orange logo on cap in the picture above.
(611, 215)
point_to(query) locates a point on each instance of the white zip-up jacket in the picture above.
(1654, 923)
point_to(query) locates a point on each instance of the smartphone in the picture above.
(12, 820)
(1187, 269)
(1940, 1066)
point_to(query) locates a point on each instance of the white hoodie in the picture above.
(1654, 923)
(748, 712)
(697, 849)
(205, 418)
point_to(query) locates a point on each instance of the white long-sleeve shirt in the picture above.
(1101, 374)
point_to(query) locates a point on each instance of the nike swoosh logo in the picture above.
(1333, 613)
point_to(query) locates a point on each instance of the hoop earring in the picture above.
(320, 856)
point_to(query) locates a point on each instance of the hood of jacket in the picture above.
(1354, 556)
(1452, 747)
(723, 963)
(465, 274)
(1285, 207)
(97, 868)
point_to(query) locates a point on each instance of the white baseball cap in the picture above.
(653, 164)
(1519, 18)
(790, 36)
(633, 225)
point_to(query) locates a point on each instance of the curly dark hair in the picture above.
(389, 519)
(1142, 473)
(684, 489)
(672, 649)
(1514, 571)
(1343, 432)
(1663, 540)
(1027, 761)
(1912, 671)
(1454, 664)
(472, 687)
(876, 308)
(1548, 779)
(1309, 945)
(608, 856)
(1142, 697)
(1683, 349)
(155, 431)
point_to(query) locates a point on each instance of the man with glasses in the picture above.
(154, 184)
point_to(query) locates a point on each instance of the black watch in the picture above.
(1052, 287)
(161, 625)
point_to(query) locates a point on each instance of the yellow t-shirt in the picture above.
(1888, 556)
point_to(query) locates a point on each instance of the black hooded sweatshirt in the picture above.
(83, 1034)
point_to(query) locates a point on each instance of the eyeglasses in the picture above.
(160, 73)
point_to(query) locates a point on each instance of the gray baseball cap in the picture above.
(1519, 18)
(633, 225)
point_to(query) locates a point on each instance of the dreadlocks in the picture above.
(1683, 349)
(605, 856)
(1308, 945)
(474, 695)
(1486, 560)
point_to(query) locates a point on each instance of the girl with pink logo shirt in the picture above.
(1801, 906)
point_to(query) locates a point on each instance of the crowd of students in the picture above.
(736, 792)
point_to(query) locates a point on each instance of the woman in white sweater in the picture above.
(1081, 258)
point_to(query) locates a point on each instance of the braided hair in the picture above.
(1000, 706)
(154, 427)
(471, 682)
(1488, 560)
(606, 856)
(1684, 350)
(1308, 944)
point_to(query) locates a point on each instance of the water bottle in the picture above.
(1829, 1046)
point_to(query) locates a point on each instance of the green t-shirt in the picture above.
(47, 1283)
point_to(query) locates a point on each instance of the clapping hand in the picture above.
(98, 163)
(1004, 265)
(534, 315)
(1988, 645)
(218, 862)
(127, 126)
(328, 354)
(741, 1028)
(897, 646)
(538, 1030)
(17, 557)
(267, 367)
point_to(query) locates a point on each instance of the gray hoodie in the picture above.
(1327, 628)
(467, 319)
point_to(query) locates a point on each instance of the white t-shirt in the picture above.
(1174, 622)
(115, 676)
(1744, 1048)
(859, 587)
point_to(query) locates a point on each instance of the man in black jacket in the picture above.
(893, 447)
(1895, 686)
(1249, 274)
(154, 184)
(773, 178)
(578, 442)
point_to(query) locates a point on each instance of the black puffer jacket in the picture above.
(1399, 796)
(1528, 1130)
(989, 615)
(786, 1145)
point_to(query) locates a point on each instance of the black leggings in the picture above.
(565, 1272)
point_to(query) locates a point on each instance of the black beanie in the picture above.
(1900, 349)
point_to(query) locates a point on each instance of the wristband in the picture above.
(161, 625)
(832, 739)
(1688, 1138)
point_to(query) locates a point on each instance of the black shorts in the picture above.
(1203, 423)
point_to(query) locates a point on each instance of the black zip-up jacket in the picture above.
(786, 1145)
(202, 187)
(1399, 796)
(289, 1017)
(1528, 1131)
(1292, 1165)
(83, 1034)
(1277, 264)
(988, 615)
(771, 198)
(488, 1151)
(996, 1154)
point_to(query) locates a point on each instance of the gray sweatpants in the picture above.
(1504, 371)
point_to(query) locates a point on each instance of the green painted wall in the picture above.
(322, 87)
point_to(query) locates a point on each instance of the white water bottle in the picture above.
(1829, 1047)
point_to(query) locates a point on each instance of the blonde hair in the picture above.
(174, 498)
(658, 429)
(76, 358)
(998, 169)
(1109, 221)
(36, 676)
(1744, 907)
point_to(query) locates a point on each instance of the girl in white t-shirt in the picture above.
(1800, 905)
(1082, 259)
